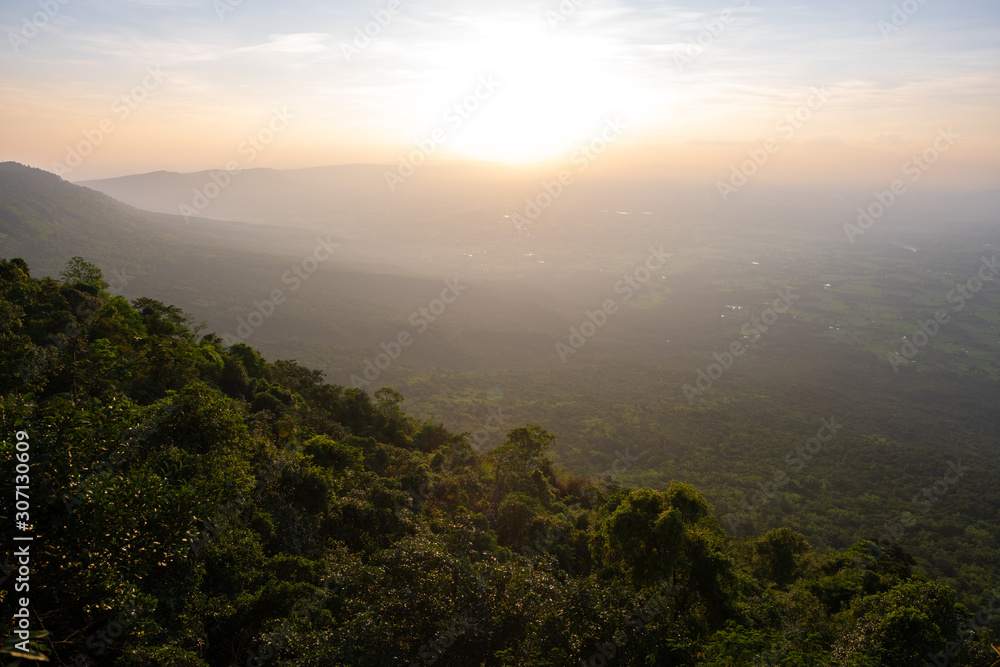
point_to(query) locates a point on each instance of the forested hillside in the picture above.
(195, 504)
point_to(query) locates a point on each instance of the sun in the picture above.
(553, 89)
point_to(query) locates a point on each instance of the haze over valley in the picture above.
(558, 333)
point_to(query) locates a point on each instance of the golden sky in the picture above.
(831, 91)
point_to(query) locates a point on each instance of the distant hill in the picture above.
(39, 210)
(218, 270)
(211, 268)
(47, 220)
(312, 196)
(269, 190)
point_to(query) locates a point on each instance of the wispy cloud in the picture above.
(559, 79)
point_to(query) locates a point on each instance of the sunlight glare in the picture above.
(555, 89)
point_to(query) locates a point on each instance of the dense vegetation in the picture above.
(489, 363)
(195, 504)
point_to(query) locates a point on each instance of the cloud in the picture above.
(889, 139)
(302, 42)
(161, 3)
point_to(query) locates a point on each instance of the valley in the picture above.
(657, 376)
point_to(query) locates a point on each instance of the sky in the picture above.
(831, 91)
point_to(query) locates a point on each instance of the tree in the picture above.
(519, 465)
(162, 319)
(777, 554)
(902, 626)
(645, 535)
(79, 271)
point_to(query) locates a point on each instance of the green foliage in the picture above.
(777, 556)
(81, 274)
(214, 508)
(162, 320)
(901, 626)
(338, 456)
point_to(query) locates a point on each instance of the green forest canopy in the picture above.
(195, 504)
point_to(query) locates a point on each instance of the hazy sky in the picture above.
(534, 80)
